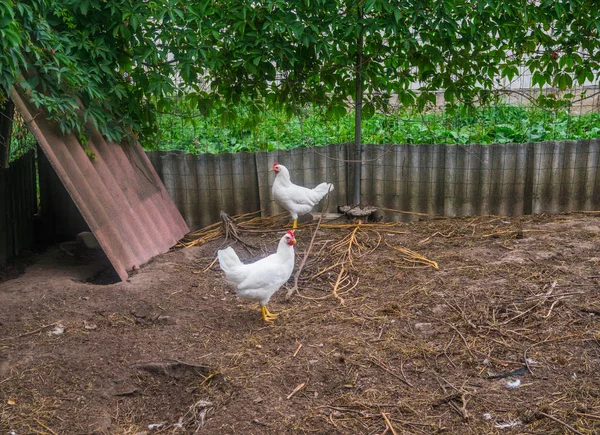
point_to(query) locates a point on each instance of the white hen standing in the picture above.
(259, 280)
(296, 199)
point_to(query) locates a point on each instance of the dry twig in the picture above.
(383, 366)
(44, 426)
(298, 388)
(25, 334)
(571, 428)
(297, 350)
(414, 257)
(388, 423)
(303, 262)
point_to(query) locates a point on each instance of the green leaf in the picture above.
(368, 110)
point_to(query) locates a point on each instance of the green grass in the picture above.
(500, 124)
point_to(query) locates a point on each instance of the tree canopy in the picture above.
(124, 59)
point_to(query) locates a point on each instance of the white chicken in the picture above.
(296, 199)
(259, 280)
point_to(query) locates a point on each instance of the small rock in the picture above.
(89, 326)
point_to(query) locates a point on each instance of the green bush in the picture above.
(498, 124)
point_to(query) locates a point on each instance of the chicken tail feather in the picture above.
(228, 259)
(321, 190)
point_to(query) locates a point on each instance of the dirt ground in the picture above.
(503, 338)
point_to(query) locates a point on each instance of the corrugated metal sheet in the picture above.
(471, 180)
(119, 194)
(449, 180)
(203, 185)
(18, 205)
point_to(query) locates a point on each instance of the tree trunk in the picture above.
(358, 112)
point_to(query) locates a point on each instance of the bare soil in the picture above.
(403, 348)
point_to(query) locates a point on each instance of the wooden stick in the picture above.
(210, 265)
(597, 417)
(391, 210)
(298, 388)
(388, 423)
(25, 334)
(45, 427)
(571, 428)
(297, 350)
(552, 307)
(303, 262)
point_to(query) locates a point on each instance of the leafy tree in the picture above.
(343, 53)
(123, 59)
(104, 62)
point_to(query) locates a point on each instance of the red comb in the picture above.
(291, 234)
(275, 164)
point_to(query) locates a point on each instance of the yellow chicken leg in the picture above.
(267, 316)
(295, 225)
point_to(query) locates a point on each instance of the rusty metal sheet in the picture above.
(119, 194)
